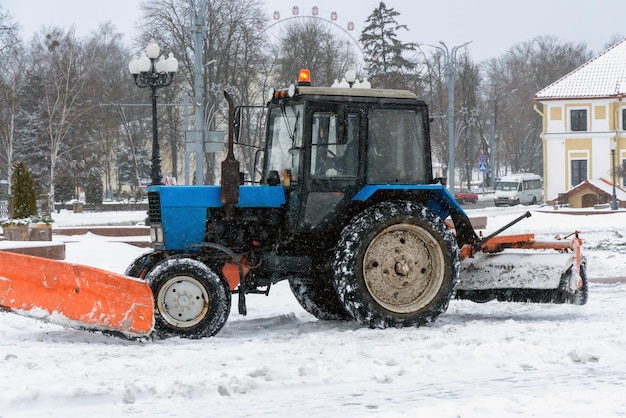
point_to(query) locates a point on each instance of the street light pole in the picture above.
(613, 146)
(148, 72)
(492, 151)
(199, 30)
(449, 64)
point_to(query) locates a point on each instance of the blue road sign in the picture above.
(482, 159)
(482, 167)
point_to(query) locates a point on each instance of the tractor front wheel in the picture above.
(191, 301)
(396, 265)
(140, 266)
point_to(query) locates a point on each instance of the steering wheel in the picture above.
(330, 161)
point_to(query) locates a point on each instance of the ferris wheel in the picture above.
(344, 30)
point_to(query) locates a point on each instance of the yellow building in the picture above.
(584, 123)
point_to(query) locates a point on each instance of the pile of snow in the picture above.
(477, 360)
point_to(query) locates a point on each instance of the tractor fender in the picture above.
(435, 197)
(234, 271)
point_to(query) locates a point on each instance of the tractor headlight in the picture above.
(156, 234)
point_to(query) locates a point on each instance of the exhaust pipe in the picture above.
(230, 167)
(230, 190)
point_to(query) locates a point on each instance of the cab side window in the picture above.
(334, 147)
(395, 147)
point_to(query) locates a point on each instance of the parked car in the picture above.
(464, 195)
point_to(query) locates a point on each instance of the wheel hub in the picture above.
(183, 301)
(403, 268)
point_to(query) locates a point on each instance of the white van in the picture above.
(526, 189)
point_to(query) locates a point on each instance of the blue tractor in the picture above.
(345, 208)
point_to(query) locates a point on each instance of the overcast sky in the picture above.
(493, 26)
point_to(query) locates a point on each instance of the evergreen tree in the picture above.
(384, 52)
(23, 191)
(94, 189)
(64, 187)
(133, 165)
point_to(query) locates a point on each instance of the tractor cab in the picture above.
(325, 144)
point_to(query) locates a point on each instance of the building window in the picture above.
(579, 171)
(623, 170)
(578, 119)
(623, 119)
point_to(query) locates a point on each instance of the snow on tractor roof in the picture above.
(356, 92)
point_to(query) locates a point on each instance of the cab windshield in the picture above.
(285, 140)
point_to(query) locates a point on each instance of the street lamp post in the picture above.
(148, 72)
(613, 146)
(449, 65)
(492, 151)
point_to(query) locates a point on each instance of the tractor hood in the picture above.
(184, 209)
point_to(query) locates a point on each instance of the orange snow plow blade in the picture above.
(74, 296)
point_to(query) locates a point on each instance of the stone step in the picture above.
(45, 249)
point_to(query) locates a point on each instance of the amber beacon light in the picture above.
(304, 78)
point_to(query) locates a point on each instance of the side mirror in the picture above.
(440, 180)
(273, 179)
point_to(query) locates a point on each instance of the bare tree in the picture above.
(615, 38)
(435, 94)
(467, 84)
(107, 85)
(468, 138)
(8, 32)
(59, 69)
(12, 79)
(513, 80)
(231, 54)
(313, 44)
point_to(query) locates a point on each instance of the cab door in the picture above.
(333, 163)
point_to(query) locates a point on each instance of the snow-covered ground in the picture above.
(477, 360)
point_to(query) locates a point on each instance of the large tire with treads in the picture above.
(396, 265)
(190, 299)
(318, 297)
(140, 265)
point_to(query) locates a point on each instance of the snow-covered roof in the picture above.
(602, 76)
(603, 185)
(607, 187)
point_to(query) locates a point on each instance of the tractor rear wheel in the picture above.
(191, 301)
(318, 297)
(396, 265)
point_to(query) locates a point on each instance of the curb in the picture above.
(53, 251)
